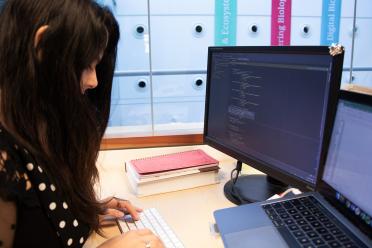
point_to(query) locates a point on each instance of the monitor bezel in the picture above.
(337, 63)
(324, 188)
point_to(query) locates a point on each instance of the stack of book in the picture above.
(171, 172)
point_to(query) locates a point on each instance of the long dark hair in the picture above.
(41, 102)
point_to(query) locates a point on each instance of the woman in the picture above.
(57, 61)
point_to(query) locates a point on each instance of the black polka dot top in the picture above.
(42, 217)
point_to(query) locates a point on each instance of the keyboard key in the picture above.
(336, 231)
(293, 227)
(312, 234)
(318, 241)
(284, 216)
(280, 210)
(297, 216)
(306, 228)
(304, 240)
(321, 230)
(350, 245)
(328, 237)
(287, 205)
(334, 244)
(308, 246)
(329, 225)
(301, 222)
(305, 213)
(289, 221)
(315, 224)
(343, 239)
(298, 234)
(310, 218)
(292, 211)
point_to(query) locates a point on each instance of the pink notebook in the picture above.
(173, 161)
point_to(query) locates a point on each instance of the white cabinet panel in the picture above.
(134, 87)
(346, 25)
(347, 8)
(133, 48)
(363, 42)
(305, 31)
(179, 86)
(364, 8)
(115, 89)
(178, 112)
(172, 7)
(253, 31)
(130, 115)
(256, 8)
(307, 8)
(130, 7)
(363, 78)
(176, 45)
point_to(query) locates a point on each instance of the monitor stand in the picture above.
(251, 188)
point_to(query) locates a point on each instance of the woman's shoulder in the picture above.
(14, 181)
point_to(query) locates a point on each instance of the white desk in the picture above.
(188, 212)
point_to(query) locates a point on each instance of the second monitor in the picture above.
(269, 107)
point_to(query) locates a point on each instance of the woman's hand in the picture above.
(143, 238)
(117, 207)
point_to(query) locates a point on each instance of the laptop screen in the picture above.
(348, 168)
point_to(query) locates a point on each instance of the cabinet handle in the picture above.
(305, 30)
(142, 84)
(254, 28)
(140, 29)
(198, 82)
(198, 28)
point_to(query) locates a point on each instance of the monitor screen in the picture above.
(348, 168)
(267, 106)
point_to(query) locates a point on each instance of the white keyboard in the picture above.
(151, 219)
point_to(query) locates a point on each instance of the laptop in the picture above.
(337, 214)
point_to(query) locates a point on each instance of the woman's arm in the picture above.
(8, 219)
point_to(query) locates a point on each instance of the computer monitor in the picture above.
(271, 107)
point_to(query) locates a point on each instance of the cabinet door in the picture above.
(253, 30)
(305, 30)
(133, 48)
(179, 102)
(180, 42)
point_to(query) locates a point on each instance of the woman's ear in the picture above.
(39, 34)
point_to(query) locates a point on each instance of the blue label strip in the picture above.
(331, 14)
(225, 22)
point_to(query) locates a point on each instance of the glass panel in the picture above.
(131, 94)
(181, 32)
(362, 59)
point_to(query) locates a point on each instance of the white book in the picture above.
(171, 182)
(167, 174)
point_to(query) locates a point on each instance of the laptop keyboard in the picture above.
(151, 219)
(304, 222)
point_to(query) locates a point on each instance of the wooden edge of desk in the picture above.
(151, 141)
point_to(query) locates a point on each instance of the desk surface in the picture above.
(188, 212)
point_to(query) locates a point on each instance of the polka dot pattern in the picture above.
(62, 224)
(42, 186)
(30, 166)
(75, 223)
(68, 229)
(52, 206)
(69, 242)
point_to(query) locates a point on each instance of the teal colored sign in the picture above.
(225, 22)
(331, 14)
